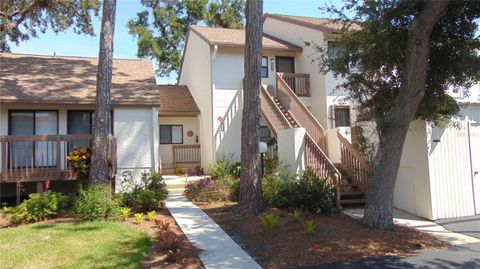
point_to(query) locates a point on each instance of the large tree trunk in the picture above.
(381, 185)
(103, 105)
(250, 197)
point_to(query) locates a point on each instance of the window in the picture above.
(264, 132)
(171, 134)
(264, 67)
(79, 121)
(342, 116)
(33, 122)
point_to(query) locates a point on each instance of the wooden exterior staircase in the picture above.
(286, 110)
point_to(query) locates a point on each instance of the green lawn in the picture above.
(72, 245)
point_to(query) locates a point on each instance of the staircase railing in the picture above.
(299, 83)
(301, 113)
(321, 164)
(272, 113)
(355, 164)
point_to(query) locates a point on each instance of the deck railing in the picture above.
(300, 112)
(356, 165)
(299, 83)
(186, 155)
(43, 157)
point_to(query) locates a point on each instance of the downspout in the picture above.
(212, 82)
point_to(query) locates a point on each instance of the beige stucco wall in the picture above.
(412, 189)
(197, 75)
(189, 124)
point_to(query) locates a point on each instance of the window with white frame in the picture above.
(171, 134)
(264, 67)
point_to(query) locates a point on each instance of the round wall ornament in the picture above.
(189, 133)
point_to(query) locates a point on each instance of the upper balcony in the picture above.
(299, 83)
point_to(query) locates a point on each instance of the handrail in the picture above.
(186, 154)
(300, 112)
(321, 164)
(267, 99)
(357, 166)
(299, 83)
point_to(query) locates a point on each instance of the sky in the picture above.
(125, 46)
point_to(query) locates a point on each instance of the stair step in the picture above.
(352, 201)
(344, 193)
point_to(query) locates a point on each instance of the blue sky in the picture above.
(125, 45)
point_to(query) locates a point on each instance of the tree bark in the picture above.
(381, 185)
(250, 197)
(102, 123)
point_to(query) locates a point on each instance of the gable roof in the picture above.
(176, 100)
(236, 38)
(27, 78)
(322, 24)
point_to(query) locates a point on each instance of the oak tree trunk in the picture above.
(381, 185)
(102, 122)
(250, 196)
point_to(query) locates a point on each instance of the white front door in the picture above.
(474, 134)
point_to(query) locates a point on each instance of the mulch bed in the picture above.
(157, 256)
(338, 238)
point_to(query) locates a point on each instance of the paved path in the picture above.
(467, 225)
(403, 218)
(220, 251)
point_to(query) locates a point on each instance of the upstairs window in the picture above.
(342, 116)
(264, 67)
(171, 134)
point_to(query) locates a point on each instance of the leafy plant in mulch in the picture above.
(269, 222)
(310, 227)
(296, 214)
(151, 216)
(139, 217)
(162, 223)
(125, 213)
(209, 190)
(196, 171)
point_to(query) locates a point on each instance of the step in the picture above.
(352, 201)
(344, 193)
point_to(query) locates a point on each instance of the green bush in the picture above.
(39, 206)
(308, 193)
(223, 168)
(148, 196)
(207, 190)
(96, 203)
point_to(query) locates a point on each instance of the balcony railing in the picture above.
(43, 157)
(299, 83)
(186, 155)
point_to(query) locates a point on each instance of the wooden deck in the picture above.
(39, 158)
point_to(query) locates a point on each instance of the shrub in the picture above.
(207, 190)
(296, 214)
(125, 213)
(79, 158)
(171, 241)
(162, 223)
(310, 227)
(308, 193)
(196, 171)
(139, 217)
(223, 168)
(96, 203)
(148, 195)
(39, 206)
(151, 215)
(269, 222)
(178, 170)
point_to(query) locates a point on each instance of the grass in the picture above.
(72, 245)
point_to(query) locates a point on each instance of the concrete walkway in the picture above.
(466, 225)
(220, 251)
(406, 219)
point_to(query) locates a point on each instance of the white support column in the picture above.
(291, 149)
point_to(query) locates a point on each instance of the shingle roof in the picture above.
(322, 24)
(176, 99)
(29, 78)
(236, 38)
